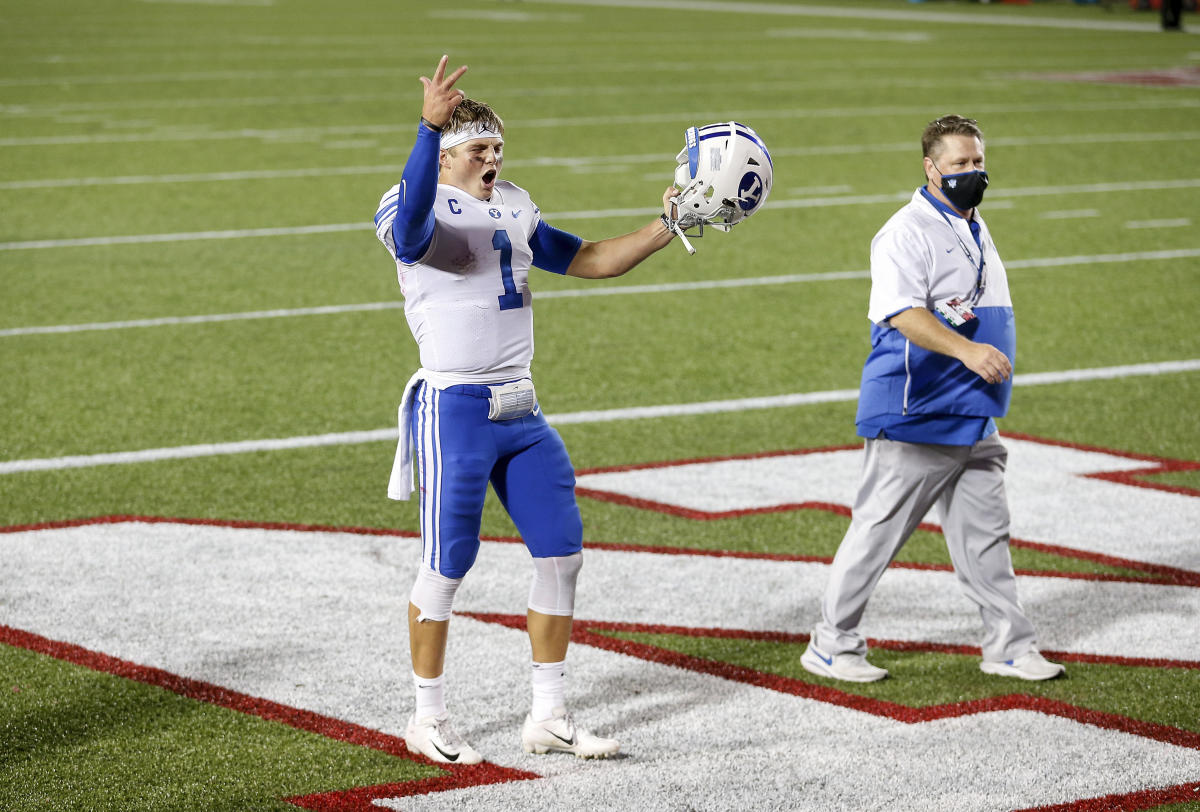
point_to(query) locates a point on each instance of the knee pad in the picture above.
(553, 588)
(433, 595)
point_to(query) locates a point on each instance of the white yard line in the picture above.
(795, 203)
(228, 234)
(616, 163)
(215, 2)
(577, 293)
(858, 34)
(1070, 214)
(309, 133)
(916, 16)
(1176, 222)
(568, 418)
(201, 177)
(203, 319)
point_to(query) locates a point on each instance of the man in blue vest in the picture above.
(943, 342)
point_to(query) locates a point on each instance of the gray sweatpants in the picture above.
(900, 483)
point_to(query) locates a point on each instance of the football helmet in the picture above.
(724, 174)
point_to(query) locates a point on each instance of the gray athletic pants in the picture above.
(900, 483)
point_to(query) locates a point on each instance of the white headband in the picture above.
(469, 133)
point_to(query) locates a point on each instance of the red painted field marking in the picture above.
(1155, 573)
(357, 799)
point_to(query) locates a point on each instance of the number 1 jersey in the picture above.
(467, 298)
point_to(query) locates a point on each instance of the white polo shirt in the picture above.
(924, 255)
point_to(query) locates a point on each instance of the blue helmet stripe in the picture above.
(722, 130)
(693, 148)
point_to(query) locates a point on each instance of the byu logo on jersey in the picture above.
(750, 191)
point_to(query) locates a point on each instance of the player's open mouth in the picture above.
(489, 177)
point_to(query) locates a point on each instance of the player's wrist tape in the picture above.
(431, 125)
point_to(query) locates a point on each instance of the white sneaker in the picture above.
(560, 734)
(846, 666)
(434, 738)
(1031, 666)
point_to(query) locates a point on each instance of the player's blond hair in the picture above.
(939, 128)
(472, 113)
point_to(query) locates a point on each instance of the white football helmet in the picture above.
(724, 175)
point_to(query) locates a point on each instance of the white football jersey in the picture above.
(467, 299)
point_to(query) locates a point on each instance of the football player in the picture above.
(464, 242)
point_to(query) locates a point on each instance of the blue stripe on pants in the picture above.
(459, 452)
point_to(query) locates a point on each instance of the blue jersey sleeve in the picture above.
(553, 249)
(412, 230)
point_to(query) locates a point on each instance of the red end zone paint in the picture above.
(1135, 478)
(1186, 76)
(1146, 799)
(586, 633)
(1155, 573)
(358, 798)
(1163, 465)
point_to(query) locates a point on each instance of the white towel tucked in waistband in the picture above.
(400, 486)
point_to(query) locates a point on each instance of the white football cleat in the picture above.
(1031, 666)
(846, 666)
(434, 738)
(560, 734)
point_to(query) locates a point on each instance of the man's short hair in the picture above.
(939, 128)
(471, 113)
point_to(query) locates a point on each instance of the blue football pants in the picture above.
(458, 451)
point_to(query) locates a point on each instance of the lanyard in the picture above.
(980, 275)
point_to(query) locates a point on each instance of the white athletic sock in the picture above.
(431, 695)
(549, 689)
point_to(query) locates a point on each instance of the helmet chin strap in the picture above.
(672, 225)
(683, 237)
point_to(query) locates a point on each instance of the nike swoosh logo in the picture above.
(822, 657)
(449, 756)
(568, 742)
(949, 250)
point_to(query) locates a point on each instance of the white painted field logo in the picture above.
(1081, 499)
(308, 625)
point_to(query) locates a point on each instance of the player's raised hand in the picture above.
(440, 95)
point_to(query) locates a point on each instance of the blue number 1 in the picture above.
(511, 300)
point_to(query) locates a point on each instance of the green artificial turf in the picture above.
(146, 126)
(74, 738)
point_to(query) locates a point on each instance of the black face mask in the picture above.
(965, 189)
